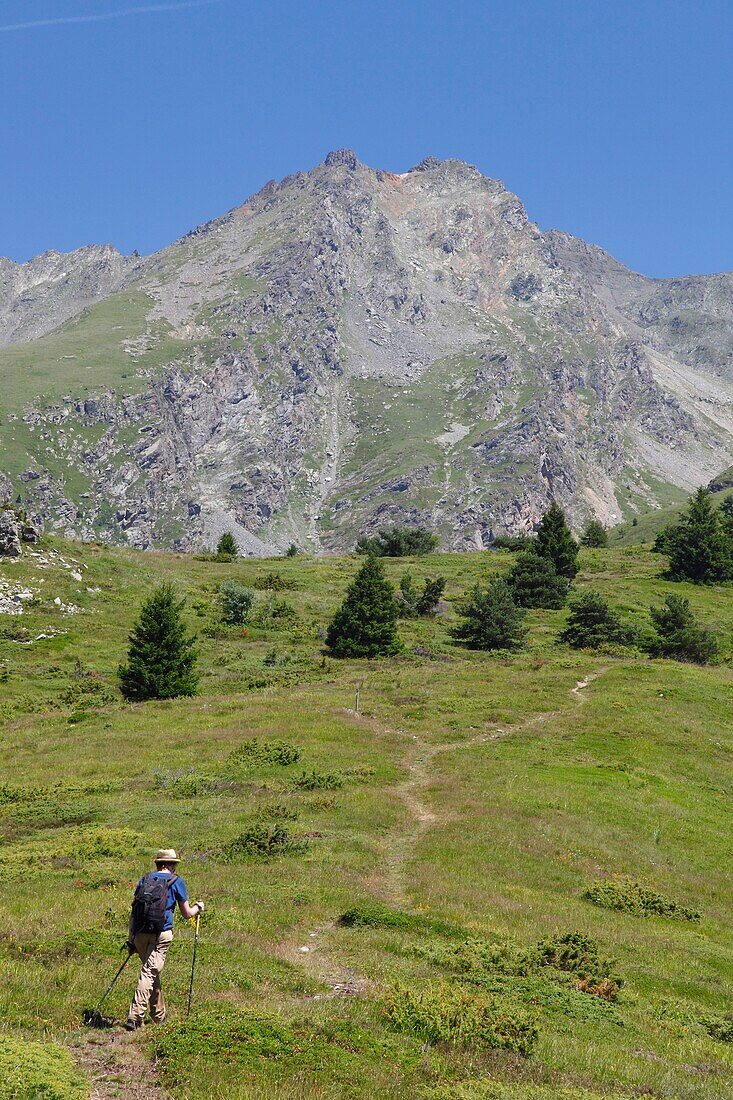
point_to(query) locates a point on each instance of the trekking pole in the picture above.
(193, 963)
(92, 1017)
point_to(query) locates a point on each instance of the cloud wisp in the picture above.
(142, 9)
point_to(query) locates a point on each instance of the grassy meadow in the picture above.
(456, 818)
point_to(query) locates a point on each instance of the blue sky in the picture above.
(611, 119)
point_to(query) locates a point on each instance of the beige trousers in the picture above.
(152, 947)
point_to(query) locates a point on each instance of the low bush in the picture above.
(273, 582)
(679, 635)
(274, 614)
(579, 955)
(38, 1071)
(398, 542)
(255, 753)
(592, 623)
(628, 896)
(49, 812)
(512, 543)
(188, 784)
(318, 781)
(716, 1026)
(480, 957)
(442, 1013)
(264, 841)
(377, 915)
(224, 1034)
(277, 811)
(235, 601)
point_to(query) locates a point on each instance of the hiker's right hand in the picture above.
(200, 905)
(130, 947)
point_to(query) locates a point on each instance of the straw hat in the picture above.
(166, 855)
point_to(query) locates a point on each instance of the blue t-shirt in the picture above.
(176, 893)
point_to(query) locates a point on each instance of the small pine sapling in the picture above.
(491, 619)
(365, 624)
(227, 549)
(679, 635)
(161, 660)
(595, 535)
(554, 541)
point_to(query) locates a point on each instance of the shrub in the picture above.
(554, 541)
(227, 549)
(719, 1027)
(628, 896)
(512, 542)
(377, 915)
(592, 624)
(679, 635)
(236, 601)
(277, 811)
(595, 534)
(442, 1013)
(274, 614)
(161, 660)
(272, 582)
(478, 958)
(366, 623)
(580, 955)
(318, 781)
(535, 583)
(254, 753)
(233, 1035)
(38, 1071)
(292, 551)
(414, 604)
(264, 841)
(398, 542)
(491, 619)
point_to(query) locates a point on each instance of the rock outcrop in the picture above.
(353, 347)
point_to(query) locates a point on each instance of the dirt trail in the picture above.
(117, 1066)
(397, 849)
(115, 1062)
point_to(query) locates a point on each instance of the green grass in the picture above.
(430, 843)
(85, 355)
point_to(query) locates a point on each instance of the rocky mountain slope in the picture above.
(353, 347)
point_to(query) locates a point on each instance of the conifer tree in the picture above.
(365, 624)
(491, 619)
(554, 541)
(679, 635)
(592, 623)
(535, 583)
(161, 660)
(227, 548)
(699, 547)
(595, 535)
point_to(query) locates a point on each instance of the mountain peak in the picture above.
(347, 157)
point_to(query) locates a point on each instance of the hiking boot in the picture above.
(133, 1025)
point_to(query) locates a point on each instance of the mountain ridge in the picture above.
(350, 347)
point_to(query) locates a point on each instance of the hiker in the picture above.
(151, 933)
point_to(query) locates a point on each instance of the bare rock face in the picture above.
(9, 535)
(355, 347)
(37, 297)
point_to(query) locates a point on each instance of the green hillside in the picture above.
(649, 524)
(458, 819)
